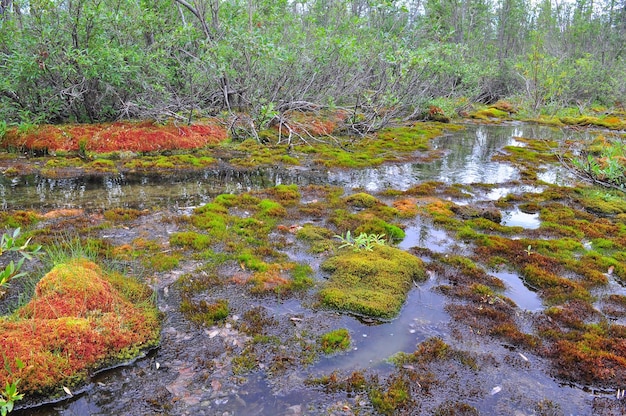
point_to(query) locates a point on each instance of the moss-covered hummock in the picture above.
(333, 341)
(79, 319)
(373, 283)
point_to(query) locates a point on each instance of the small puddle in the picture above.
(555, 175)
(500, 192)
(517, 218)
(426, 236)
(523, 297)
(422, 317)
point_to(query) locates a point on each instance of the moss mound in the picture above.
(80, 319)
(373, 283)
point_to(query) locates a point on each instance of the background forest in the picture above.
(99, 60)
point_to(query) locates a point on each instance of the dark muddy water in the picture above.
(175, 380)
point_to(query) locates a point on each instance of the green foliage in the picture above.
(69, 248)
(3, 129)
(8, 243)
(363, 241)
(608, 166)
(382, 59)
(10, 395)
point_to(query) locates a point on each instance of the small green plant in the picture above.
(10, 395)
(3, 128)
(363, 241)
(82, 148)
(529, 250)
(8, 243)
(607, 167)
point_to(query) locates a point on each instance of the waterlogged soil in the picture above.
(264, 357)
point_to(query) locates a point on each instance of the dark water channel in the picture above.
(467, 160)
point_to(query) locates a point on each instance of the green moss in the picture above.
(190, 239)
(162, 262)
(602, 244)
(310, 232)
(287, 195)
(602, 202)
(244, 362)
(362, 200)
(103, 166)
(334, 341)
(221, 201)
(251, 262)
(302, 277)
(373, 283)
(18, 219)
(488, 225)
(393, 399)
(122, 214)
(203, 312)
(378, 226)
(271, 208)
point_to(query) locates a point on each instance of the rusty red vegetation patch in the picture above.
(146, 136)
(79, 320)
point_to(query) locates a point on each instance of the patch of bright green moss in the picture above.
(378, 227)
(373, 283)
(362, 200)
(334, 341)
(18, 219)
(602, 202)
(393, 399)
(490, 113)
(191, 239)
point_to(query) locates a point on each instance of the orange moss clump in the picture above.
(407, 207)
(78, 320)
(121, 136)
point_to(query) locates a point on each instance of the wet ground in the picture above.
(198, 370)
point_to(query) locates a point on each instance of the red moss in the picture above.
(77, 321)
(121, 136)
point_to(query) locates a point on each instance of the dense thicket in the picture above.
(95, 60)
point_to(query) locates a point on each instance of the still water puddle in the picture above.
(422, 317)
(523, 297)
(517, 218)
(426, 236)
(500, 192)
